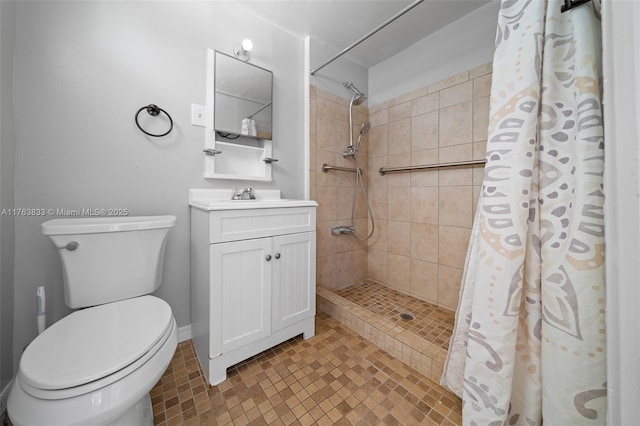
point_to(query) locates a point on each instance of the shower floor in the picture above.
(429, 321)
(374, 311)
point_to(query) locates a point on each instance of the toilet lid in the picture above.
(93, 343)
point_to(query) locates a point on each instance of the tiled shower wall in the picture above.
(341, 260)
(423, 219)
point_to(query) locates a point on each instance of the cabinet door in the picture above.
(240, 293)
(294, 278)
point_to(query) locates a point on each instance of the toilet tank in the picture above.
(107, 259)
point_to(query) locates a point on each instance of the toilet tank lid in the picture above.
(94, 225)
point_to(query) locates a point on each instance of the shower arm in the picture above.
(369, 34)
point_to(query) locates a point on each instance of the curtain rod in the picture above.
(369, 34)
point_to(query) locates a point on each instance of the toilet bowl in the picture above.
(90, 366)
(97, 365)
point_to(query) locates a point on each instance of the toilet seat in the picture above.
(84, 352)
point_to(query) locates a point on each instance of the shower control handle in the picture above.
(268, 257)
(277, 255)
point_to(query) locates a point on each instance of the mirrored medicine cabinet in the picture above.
(239, 125)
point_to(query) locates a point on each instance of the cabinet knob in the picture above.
(277, 255)
(268, 257)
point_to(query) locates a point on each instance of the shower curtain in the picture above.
(529, 339)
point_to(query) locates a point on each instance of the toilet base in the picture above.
(140, 414)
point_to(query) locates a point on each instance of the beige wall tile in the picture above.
(399, 238)
(326, 134)
(312, 116)
(455, 124)
(379, 107)
(312, 185)
(424, 104)
(313, 150)
(480, 119)
(378, 202)
(377, 265)
(424, 131)
(378, 240)
(399, 272)
(479, 150)
(482, 86)
(478, 174)
(399, 204)
(399, 137)
(411, 95)
(455, 206)
(312, 91)
(455, 176)
(424, 280)
(349, 242)
(424, 177)
(448, 82)
(476, 195)
(379, 118)
(344, 203)
(341, 135)
(325, 242)
(395, 180)
(399, 111)
(424, 205)
(378, 140)
(480, 70)
(453, 243)
(374, 178)
(424, 242)
(326, 198)
(325, 179)
(450, 154)
(344, 269)
(326, 271)
(449, 286)
(457, 94)
(360, 263)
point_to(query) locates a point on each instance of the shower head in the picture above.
(365, 128)
(358, 96)
(363, 131)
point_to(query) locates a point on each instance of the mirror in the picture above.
(243, 96)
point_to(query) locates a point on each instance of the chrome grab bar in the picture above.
(385, 170)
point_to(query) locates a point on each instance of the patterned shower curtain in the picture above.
(529, 339)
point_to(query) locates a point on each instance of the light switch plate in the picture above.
(198, 115)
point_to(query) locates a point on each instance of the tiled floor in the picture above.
(429, 321)
(336, 377)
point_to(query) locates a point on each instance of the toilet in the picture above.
(97, 365)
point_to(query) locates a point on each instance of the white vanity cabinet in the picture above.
(252, 278)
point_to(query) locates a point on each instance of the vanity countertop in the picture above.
(220, 199)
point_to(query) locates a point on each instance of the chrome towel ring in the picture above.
(154, 110)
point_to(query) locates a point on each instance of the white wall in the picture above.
(621, 63)
(331, 77)
(461, 45)
(82, 69)
(7, 193)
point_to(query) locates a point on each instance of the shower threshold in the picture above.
(376, 313)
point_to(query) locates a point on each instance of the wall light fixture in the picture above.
(242, 51)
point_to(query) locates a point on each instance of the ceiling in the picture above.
(339, 23)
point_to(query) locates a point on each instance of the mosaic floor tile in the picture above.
(334, 378)
(429, 321)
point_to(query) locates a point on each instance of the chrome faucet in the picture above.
(243, 194)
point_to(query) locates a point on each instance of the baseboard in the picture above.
(184, 333)
(3, 400)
